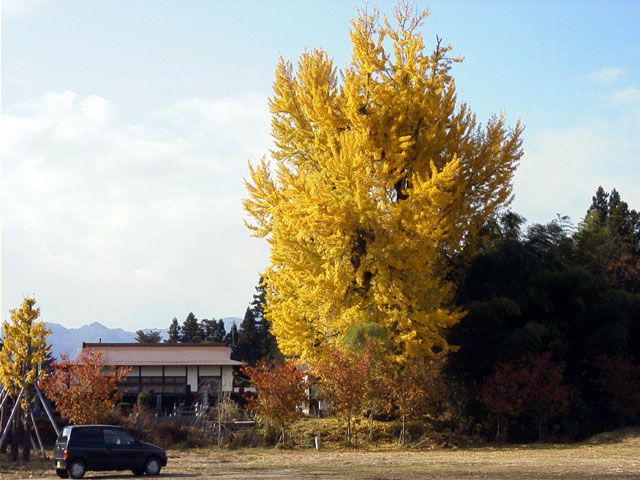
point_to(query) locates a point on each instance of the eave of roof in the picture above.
(164, 354)
(152, 345)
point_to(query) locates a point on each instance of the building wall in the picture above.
(151, 371)
(139, 377)
(192, 377)
(227, 378)
(210, 371)
(175, 371)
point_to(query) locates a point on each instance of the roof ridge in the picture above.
(149, 345)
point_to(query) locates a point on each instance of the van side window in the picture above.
(117, 437)
(87, 436)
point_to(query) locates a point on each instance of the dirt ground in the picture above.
(604, 457)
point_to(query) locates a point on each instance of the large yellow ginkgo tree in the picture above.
(379, 177)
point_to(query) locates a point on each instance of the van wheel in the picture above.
(152, 467)
(76, 469)
(62, 473)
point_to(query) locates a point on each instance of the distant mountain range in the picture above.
(69, 340)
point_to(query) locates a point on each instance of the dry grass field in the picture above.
(607, 456)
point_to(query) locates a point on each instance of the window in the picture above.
(130, 385)
(157, 380)
(175, 385)
(151, 384)
(87, 436)
(66, 433)
(209, 384)
(117, 437)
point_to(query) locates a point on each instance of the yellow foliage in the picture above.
(379, 178)
(25, 347)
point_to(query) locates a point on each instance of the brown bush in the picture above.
(145, 426)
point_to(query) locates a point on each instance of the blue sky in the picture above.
(132, 123)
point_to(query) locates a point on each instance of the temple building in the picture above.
(175, 373)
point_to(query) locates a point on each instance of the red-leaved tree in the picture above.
(415, 388)
(84, 390)
(619, 383)
(345, 382)
(535, 384)
(548, 395)
(281, 390)
(504, 393)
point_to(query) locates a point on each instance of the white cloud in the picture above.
(608, 74)
(130, 224)
(627, 96)
(21, 8)
(562, 168)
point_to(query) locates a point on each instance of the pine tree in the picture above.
(191, 331)
(174, 332)
(608, 240)
(231, 338)
(210, 330)
(600, 204)
(380, 178)
(248, 347)
(222, 332)
(24, 349)
(152, 337)
(268, 345)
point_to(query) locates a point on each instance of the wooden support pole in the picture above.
(27, 432)
(35, 429)
(46, 409)
(13, 412)
(6, 395)
(4, 398)
(33, 444)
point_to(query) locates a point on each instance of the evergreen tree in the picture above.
(210, 330)
(231, 338)
(531, 295)
(600, 204)
(174, 332)
(152, 337)
(248, 347)
(268, 345)
(608, 241)
(49, 360)
(191, 331)
(259, 301)
(222, 332)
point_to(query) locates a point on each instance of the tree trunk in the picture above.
(502, 428)
(3, 449)
(541, 429)
(15, 435)
(26, 438)
(349, 431)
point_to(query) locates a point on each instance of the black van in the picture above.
(104, 447)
